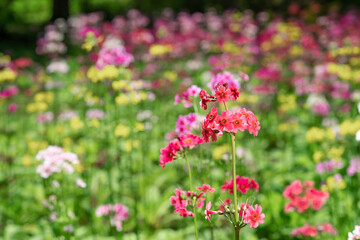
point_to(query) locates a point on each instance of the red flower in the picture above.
(211, 116)
(205, 99)
(224, 122)
(234, 93)
(226, 202)
(169, 152)
(222, 94)
(207, 132)
(254, 185)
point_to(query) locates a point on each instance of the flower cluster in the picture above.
(243, 184)
(8, 92)
(225, 77)
(328, 166)
(185, 124)
(311, 231)
(247, 213)
(181, 143)
(116, 56)
(215, 124)
(54, 160)
(183, 199)
(186, 97)
(303, 196)
(354, 166)
(354, 234)
(117, 212)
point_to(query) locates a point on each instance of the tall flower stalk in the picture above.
(212, 127)
(193, 200)
(236, 224)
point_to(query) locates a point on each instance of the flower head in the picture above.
(254, 216)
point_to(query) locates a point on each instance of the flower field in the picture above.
(233, 125)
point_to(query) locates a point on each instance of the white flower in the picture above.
(80, 183)
(357, 136)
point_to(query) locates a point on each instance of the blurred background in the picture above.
(303, 61)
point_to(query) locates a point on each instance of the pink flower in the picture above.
(254, 216)
(206, 188)
(208, 212)
(242, 184)
(306, 231)
(12, 107)
(80, 183)
(184, 212)
(327, 228)
(193, 90)
(239, 122)
(304, 196)
(117, 56)
(190, 140)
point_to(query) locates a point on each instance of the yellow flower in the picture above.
(170, 75)
(67, 142)
(318, 156)
(295, 50)
(158, 49)
(135, 97)
(139, 127)
(246, 98)
(76, 123)
(330, 134)
(79, 167)
(7, 75)
(315, 134)
(80, 150)
(122, 131)
(131, 144)
(122, 99)
(349, 127)
(332, 184)
(287, 102)
(59, 129)
(219, 151)
(117, 85)
(36, 107)
(26, 161)
(95, 123)
(35, 146)
(336, 153)
(288, 126)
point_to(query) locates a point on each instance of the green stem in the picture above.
(236, 224)
(234, 187)
(191, 190)
(237, 233)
